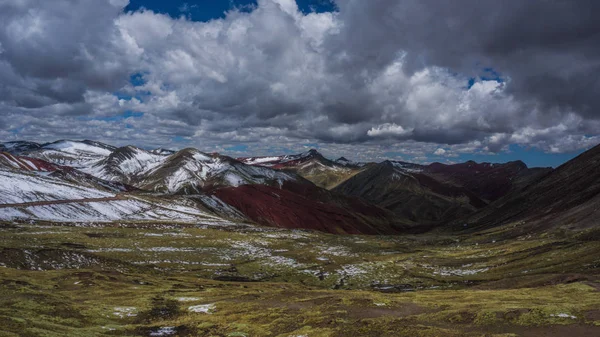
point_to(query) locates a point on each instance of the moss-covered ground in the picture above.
(155, 279)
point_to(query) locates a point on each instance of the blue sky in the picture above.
(205, 10)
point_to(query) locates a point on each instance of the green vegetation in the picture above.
(180, 280)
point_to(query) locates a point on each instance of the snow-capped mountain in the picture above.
(274, 191)
(19, 146)
(311, 165)
(163, 152)
(349, 163)
(63, 152)
(289, 160)
(28, 196)
(33, 189)
(125, 164)
(67, 174)
(190, 171)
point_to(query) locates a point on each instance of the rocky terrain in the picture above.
(97, 240)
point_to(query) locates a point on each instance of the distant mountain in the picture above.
(567, 197)
(29, 196)
(307, 190)
(190, 171)
(163, 152)
(125, 164)
(488, 181)
(63, 152)
(403, 189)
(33, 189)
(311, 165)
(345, 162)
(436, 193)
(19, 147)
(41, 167)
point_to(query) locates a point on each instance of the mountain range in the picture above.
(59, 181)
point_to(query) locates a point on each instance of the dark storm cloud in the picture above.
(59, 49)
(549, 48)
(461, 76)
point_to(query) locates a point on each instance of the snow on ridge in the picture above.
(140, 161)
(201, 168)
(75, 147)
(407, 167)
(110, 211)
(263, 161)
(21, 188)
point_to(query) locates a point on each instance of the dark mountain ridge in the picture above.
(436, 193)
(567, 197)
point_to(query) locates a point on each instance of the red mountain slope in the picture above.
(309, 207)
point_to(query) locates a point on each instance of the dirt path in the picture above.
(58, 202)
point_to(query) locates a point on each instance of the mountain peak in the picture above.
(312, 152)
(518, 163)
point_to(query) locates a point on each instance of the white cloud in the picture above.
(270, 76)
(388, 129)
(439, 152)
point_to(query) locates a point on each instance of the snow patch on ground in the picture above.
(123, 312)
(446, 271)
(203, 308)
(563, 315)
(164, 331)
(188, 299)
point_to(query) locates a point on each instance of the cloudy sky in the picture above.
(416, 80)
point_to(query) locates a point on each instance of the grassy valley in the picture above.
(153, 279)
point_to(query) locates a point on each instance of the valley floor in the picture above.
(161, 279)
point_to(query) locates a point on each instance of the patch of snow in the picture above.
(164, 331)
(188, 299)
(123, 312)
(444, 271)
(261, 160)
(407, 167)
(352, 270)
(563, 315)
(74, 147)
(203, 308)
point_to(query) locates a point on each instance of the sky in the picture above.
(412, 80)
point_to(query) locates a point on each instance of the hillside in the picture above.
(436, 193)
(568, 198)
(311, 165)
(294, 205)
(63, 152)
